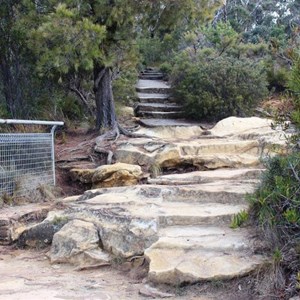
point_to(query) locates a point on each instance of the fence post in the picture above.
(53, 153)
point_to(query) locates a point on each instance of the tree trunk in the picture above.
(105, 107)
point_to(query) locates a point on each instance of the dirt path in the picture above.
(27, 274)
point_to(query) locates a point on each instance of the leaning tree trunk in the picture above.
(105, 107)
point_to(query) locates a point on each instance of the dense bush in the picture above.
(217, 87)
(276, 211)
(124, 86)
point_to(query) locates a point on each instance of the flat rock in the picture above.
(153, 98)
(157, 84)
(201, 253)
(160, 123)
(177, 266)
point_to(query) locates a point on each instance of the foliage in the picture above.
(215, 88)
(154, 50)
(239, 219)
(124, 85)
(277, 76)
(294, 79)
(275, 208)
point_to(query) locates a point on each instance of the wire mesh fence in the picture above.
(26, 162)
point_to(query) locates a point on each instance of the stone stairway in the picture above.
(154, 99)
(178, 223)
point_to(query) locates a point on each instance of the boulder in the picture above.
(78, 243)
(119, 174)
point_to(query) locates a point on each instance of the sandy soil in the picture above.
(27, 274)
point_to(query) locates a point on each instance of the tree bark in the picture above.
(105, 107)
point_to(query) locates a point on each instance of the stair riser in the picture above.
(157, 109)
(153, 90)
(206, 197)
(154, 100)
(222, 220)
(151, 77)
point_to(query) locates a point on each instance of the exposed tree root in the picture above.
(109, 154)
(113, 135)
(101, 143)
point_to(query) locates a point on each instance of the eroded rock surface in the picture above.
(119, 174)
(78, 243)
(231, 143)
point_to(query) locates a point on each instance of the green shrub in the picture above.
(294, 78)
(216, 88)
(275, 209)
(70, 108)
(277, 77)
(124, 86)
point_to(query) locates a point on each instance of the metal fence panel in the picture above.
(26, 161)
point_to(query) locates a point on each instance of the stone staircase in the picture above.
(155, 101)
(178, 223)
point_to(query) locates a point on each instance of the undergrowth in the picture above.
(275, 210)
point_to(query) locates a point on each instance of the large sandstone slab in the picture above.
(202, 153)
(193, 254)
(176, 266)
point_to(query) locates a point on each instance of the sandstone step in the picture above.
(181, 266)
(199, 253)
(230, 191)
(153, 72)
(166, 213)
(206, 237)
(157, 107)
(200, 153)
(153, 98)
(159, 114)
(152, 86)
(222, 191)
(153, 76)
(156, 123)
(151, 69)
(206, 176)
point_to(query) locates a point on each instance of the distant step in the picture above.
(152, 86)
(157, 107)
(153, 98)
(154, 76)
(160, 114)
(152, 123)
(151, 73)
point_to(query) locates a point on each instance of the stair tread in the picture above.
(152, 122)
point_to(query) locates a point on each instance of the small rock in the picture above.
(152, 292)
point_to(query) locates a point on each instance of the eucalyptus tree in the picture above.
(260, 19)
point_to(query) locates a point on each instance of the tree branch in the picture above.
(75, 90)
